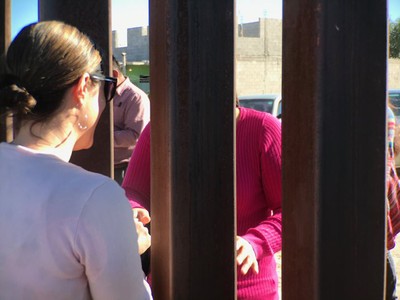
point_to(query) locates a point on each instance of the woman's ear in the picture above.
(80, 89)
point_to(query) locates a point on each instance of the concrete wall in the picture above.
(137, 48)
(258, 54)
(259, 57)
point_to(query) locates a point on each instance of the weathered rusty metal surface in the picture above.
(93, 17)
(6, 129)
(192, 84)
(334, 91)
(5, 23)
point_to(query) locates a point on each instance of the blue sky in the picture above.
(133, 13)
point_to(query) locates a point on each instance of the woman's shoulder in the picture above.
(82, 188)
(77, 176)
(253, 118)
(260, 127)
(65, 179)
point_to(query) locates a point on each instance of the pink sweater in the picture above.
(259, 193)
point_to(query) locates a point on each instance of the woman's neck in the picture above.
(42, 138)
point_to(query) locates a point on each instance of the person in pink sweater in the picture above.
(259, 196)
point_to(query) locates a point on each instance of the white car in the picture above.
(271, 103)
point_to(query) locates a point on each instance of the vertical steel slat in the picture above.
(93, 17)
(6, 129)
(192, 84)
(334, 109)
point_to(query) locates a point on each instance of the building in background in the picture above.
(259, 56)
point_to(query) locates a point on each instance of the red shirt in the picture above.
(259, 195)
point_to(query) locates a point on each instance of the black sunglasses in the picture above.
(110, 85)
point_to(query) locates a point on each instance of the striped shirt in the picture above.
(393, 185)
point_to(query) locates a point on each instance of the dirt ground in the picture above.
(395, 253)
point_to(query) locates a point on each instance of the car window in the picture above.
(280, 108)
(261, 105)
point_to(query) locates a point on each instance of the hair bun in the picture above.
(9, 79)
(14, 97)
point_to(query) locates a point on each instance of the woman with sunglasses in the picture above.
(66, 233)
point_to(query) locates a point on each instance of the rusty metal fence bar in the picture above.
(6, 127)
(94, 18)
(334, 91)
(192, 98)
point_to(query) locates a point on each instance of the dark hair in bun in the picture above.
(43, 61)
(13, 97)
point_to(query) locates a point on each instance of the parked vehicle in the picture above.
(271, 103)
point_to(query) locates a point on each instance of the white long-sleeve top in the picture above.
(66, 233)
